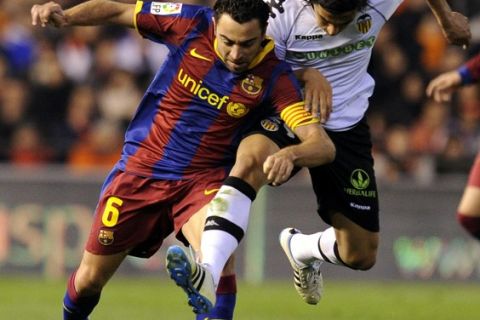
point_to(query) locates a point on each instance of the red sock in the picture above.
(227, 284)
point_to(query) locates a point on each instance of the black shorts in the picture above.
(276, 130)
(348, 185)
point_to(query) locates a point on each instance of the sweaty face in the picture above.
(332, 23)
(238, 44)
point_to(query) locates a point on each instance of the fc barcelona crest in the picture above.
(364, 23)
(252, 84)
(105, 237)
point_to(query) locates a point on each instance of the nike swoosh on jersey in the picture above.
(208, 192)
(194, 54)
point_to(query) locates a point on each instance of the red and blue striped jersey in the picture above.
(195, 110)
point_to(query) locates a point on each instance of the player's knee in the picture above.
(245, 164)
(249, 168)
(90, 282)
(361, 259)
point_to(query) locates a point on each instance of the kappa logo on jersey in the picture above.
(364, 23)
(269, 125)
(308, 37)
(105, 237)
(275, 4)
(252, 84)
(165, 8)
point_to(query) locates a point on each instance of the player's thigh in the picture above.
(253, 151)
(192, 230)
(251, 154)
(470, 202)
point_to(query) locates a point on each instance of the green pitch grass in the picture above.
(23, 298)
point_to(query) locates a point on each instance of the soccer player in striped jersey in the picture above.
(335, 37)
(441, 89)
(220, 76)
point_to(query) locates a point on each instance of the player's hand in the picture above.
(457, 30)
(442, 87)
(278, 167)
(317, 94)
(48, 13)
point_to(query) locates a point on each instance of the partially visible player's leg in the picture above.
(228, 213)
(226, 295)
(128, 220)
(346, 243)
(347, 200)
(227, 286)
(86, 283)
(468, 212)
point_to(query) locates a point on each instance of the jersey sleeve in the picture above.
(386, 7)
(470, 71)
(287, 99)
(166, 22)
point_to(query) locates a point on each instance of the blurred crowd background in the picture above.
(66, 96)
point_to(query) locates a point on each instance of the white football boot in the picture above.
(307, 278)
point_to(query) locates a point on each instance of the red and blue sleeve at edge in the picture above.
(470, 71)
(169, 24)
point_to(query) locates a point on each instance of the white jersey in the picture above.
(343, 58)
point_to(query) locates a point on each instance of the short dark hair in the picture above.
(244, 11)
(340, 6)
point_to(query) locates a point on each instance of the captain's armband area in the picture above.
(295, 116)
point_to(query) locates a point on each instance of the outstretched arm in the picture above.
(442, 87)
(454, 25)
(94, 12)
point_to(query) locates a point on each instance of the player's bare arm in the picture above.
(454, 25)
(317, 93)
(442, 87)
(95, 12)
(315, 149)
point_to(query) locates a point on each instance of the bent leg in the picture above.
(227, 287)
(251, 154)
(228, 212)
(357, 247)
(345, 243)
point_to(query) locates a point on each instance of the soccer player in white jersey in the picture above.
(336, 38)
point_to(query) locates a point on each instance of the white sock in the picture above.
(303, 247)
(320, 245)
(326, 247)
(227, 221)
